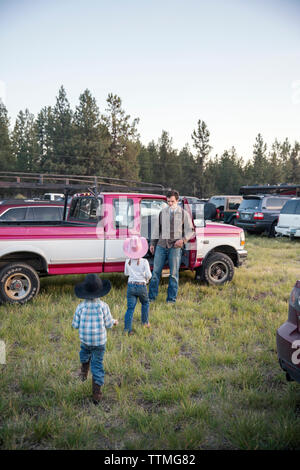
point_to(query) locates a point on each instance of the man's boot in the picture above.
(84, 370)
(97, 394)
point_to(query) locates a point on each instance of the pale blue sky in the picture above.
(234, 64)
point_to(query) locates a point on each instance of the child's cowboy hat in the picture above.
(135, 247)
(92, 287)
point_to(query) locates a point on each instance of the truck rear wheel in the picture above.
(218, 269)
(19, 283)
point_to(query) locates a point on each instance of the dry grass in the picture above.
(205, 376)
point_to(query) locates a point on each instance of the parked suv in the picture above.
(259, 213)
(288, 338)
(29, 210)
(289, 219)
(226, 208)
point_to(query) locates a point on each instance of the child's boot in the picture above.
(84, 370)
(97, 394)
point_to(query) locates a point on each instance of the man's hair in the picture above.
(173, 192)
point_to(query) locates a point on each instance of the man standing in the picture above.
(175, 229)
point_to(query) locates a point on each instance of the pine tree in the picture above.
(211, 171)
(200, 137)
(168, 168)
(6, 156)
(145, 165)
(62, 135)
(44, 136)
(91, 139)
(24, 142)
(276, 167)
(293, 175)
(228, 172)
(187, 184)
(124, 144)
(260, 166)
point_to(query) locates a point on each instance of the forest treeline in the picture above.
(86, 141)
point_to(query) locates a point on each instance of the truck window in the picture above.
(123, 213)
(14, 214)
(233, 204)
(149, 210)
(85, 209)
(45, 213)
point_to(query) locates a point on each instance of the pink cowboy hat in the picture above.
(135, 247)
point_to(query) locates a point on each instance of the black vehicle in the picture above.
(259, 213)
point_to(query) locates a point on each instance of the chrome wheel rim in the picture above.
(218, 271)
(17, 286)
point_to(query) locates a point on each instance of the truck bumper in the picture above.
(242, 256)
(288, 231)
(257, 226)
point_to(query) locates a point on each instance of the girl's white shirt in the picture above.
(138, 272)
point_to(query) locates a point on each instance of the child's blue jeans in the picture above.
(94, 354)
(135, 292)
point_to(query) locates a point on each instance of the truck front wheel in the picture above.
(218, 269)
(19, 283)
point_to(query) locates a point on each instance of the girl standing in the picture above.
(138, 271)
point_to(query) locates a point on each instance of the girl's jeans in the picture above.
(94, 354)
(135, 292)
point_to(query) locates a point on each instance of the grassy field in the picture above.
(205, 376)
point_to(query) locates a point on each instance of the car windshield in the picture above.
(249, 204)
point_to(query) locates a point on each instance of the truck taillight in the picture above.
(258, 216)
(237, 215)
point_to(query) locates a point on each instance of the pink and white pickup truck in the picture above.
(91, 241)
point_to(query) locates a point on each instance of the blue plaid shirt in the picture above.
(92, 317)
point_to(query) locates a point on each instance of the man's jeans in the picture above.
(173, 255)
(95, 354)
(135, 292)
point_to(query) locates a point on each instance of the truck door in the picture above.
(121, 222)
(78, 246)
(193, 251)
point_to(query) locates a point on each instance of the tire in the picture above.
(218, 269)
(272, 232)
(19, 283)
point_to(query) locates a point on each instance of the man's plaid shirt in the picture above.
(92, 317)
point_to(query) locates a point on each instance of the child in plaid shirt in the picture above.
(91, 318)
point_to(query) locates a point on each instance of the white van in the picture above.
(53, 197)
(289, 219)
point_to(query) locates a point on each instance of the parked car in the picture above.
(226, 207)
(289, 219)
(259, 213)
(53, 197)
(29, 210)
(288, 338)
